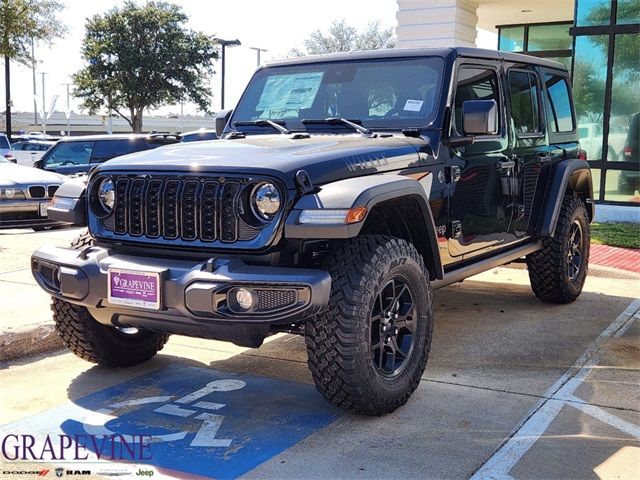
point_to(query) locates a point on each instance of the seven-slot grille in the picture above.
(190, 209)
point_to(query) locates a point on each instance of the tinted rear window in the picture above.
(108, 149)
(4, 143)
(558, 104)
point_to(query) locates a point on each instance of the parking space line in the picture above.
(533, 426)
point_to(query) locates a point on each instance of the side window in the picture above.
(70, 153)
(475, 83)
(558, 104)
(108, 149)
(525, 104)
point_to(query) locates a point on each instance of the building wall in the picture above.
(436, 23)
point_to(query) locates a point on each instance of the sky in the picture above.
(275, 25)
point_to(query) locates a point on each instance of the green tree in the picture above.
(341, 37)
(141, 57)
(627, 46)
(22, 22)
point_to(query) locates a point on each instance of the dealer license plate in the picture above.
(43, 209)
(134, 288)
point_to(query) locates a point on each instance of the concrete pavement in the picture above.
(514, 388)
(25, 319)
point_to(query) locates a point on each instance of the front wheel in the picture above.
(97, 343)
(368, 348)
(558, 271)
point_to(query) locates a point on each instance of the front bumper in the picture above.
(24, 214)
(192, 293)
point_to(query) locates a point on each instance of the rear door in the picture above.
(530, 152)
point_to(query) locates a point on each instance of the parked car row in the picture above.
(26, 192)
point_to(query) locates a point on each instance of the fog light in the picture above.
(244, 298)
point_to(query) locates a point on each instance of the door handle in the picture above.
(505, 164)
(543, 158)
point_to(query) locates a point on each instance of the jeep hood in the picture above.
(325, 157)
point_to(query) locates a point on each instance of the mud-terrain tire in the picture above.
(352, 365)
(626, 185)
(557, 272)
(98, 343)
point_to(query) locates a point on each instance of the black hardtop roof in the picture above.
(467, 52)
(104, 136)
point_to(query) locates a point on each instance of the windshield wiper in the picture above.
(338, 121)
(264, 123)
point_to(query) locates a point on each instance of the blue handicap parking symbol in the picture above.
(205, 422)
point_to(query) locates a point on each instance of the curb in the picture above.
(27, 342)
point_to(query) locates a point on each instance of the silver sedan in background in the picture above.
(25, 194)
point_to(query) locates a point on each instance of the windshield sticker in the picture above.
(290, 92)
(413, 105)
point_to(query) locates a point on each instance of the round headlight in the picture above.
(107, 194)
(266, 201)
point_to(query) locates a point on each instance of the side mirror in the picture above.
(12, 159)
(480, 117)
(222, 118)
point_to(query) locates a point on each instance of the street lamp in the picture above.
(258, 50)
(224, 44)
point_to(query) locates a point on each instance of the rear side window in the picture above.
(475, 84)
(4, 143)
(558, 104)
(525, 105)
(108, 149)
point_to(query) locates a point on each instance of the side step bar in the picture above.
(480, 266)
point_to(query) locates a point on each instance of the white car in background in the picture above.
(28, 152)
(5, 146)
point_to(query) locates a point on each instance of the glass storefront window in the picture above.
(589, 78)
(595, 178)
(566, 61)
(511, 39)
(625, 100)
(622, 186)
(593, 12)
(628, 12)
(549, 37)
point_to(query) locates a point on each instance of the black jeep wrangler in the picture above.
(343, 190)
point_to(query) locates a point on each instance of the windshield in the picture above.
(388, 93)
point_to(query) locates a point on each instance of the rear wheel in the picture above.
(98, 343)
(558, 271)
(367, 350)
(626, 185)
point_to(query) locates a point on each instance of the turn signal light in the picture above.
(356, 215)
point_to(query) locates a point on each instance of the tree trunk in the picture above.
(7, 80)
(136, 120)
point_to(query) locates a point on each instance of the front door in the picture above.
(479, 212)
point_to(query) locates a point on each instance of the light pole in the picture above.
(258, 50)
(224, 44)
(44, 106)
(33, 75)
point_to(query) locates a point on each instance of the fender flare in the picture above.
(366, 192)
(69, 204)
(570, 176)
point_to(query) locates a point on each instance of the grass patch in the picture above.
(625, 235)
